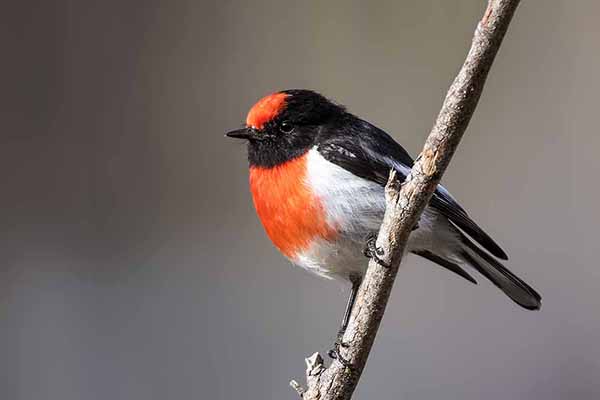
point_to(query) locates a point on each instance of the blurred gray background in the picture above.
(133, 265)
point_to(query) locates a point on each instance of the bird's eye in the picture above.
(286, 127)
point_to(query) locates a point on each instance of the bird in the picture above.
(317, 175)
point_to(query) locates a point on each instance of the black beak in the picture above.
(243, 133)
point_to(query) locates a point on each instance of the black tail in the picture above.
(449, 265)
(520, 292)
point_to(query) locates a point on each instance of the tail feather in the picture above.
(446, 264)
(520, 292)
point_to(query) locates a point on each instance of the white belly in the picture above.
(355, 207)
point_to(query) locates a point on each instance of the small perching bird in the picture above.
(317, 177)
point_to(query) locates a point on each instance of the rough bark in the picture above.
(405, 203)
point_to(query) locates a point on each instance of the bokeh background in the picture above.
(132, 265)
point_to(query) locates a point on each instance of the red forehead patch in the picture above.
(265, 110)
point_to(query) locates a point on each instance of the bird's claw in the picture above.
(372, 251)
(334, 353)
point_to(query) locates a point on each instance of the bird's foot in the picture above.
(334, 353)
(372, 251)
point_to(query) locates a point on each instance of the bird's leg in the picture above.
(372, 251)
(335, 352)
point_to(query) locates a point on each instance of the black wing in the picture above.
(370, 153)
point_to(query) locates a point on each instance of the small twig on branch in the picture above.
(405, 203)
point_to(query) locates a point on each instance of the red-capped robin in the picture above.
(317, 177)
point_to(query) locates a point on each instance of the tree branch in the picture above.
(405, 203)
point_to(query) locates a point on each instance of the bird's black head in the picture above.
(284, 125)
